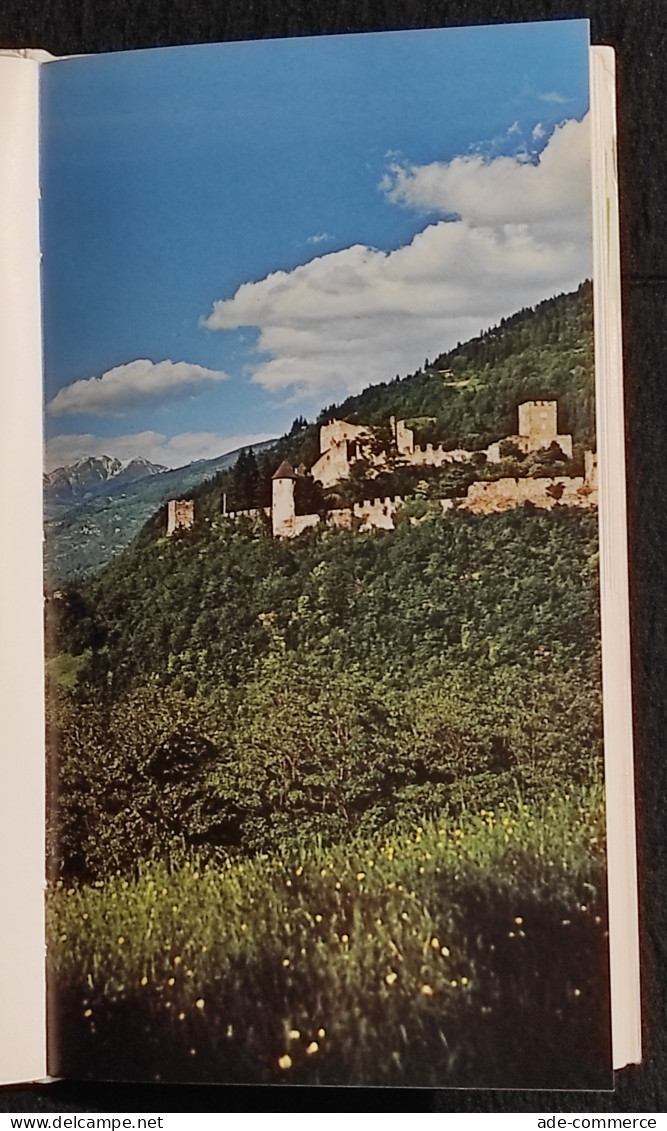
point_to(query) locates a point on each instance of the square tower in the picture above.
(180, 515)
(538, 422)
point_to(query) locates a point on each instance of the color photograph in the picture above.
(326, 794)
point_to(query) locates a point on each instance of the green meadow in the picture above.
(465, 951)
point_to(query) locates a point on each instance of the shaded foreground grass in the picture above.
(460, 953)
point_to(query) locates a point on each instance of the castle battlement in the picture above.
(341, 444)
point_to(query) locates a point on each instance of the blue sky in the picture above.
(237, 234)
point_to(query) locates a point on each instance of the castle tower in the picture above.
(180, 515)
(283, 509)
(405, 437)
(538, 420)
(538, 427)
(591, 469)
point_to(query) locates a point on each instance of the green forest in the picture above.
(468, 396)
(330, 810)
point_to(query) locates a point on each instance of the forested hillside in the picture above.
(266, 661)
(325, 807)
(472, 391)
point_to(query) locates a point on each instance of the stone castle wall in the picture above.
(341, 443)
(489, 497)
(428, 455)
(180, 515)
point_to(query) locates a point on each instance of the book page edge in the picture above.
(615, 611)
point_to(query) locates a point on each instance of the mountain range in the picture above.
(92, 475)
(94, 507)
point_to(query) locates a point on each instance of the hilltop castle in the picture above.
(343, 444)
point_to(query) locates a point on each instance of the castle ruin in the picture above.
(342, 444)
(538, 429)
(180, 515)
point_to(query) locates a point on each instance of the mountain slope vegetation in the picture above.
(471, 392)
(329, 809)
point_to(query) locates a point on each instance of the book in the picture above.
(326, 799)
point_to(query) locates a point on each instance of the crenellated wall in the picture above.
(428, 455)
(254, 512)
(341, 443)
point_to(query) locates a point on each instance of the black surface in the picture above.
(638, 31)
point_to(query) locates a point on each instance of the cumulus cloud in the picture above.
(551, 196)
(361, 315)
(320, 237)
(137, 380)
(170, 451)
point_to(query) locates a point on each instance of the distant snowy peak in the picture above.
(92, 472)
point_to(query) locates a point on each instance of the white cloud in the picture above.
(538, 132)
(320, 237)
(554, 97)
(551, 196)
(136, 380)
(170, 451)
(360, 315)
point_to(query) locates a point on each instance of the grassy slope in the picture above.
(411, 960)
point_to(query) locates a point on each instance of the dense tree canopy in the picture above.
(232, 689)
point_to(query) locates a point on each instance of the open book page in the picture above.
(22, 979)
(325, 709)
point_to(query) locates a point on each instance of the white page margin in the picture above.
(616, 668)
(22, 867)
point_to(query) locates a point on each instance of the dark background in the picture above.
(637, 29)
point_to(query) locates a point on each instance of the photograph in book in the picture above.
(323, 644)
